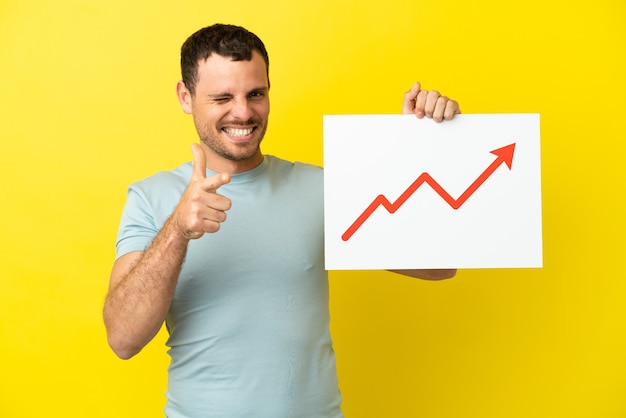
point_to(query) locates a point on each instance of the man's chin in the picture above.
(234, 151)
(242, 154)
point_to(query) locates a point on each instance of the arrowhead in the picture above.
(505, 154)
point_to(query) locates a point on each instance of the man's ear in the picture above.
(184, 97)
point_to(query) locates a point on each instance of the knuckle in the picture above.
(212, 227)
(220, 216)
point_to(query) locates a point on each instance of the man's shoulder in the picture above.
(297, 167)
(167, 178)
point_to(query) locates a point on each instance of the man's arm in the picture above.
(428, 274)
(142, 284)
(430, 104)
(141, 288)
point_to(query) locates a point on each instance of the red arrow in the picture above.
(504, 155)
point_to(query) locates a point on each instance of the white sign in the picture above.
(403, 193)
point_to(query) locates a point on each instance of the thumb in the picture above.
(408, 104)
(199, 162)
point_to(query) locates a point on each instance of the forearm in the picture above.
(140, 296)
(428, 274)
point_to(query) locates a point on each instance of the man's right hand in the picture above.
(201, 210)
(142, 283)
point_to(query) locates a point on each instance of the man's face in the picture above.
(230, 109)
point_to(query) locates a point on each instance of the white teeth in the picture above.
(238, 132)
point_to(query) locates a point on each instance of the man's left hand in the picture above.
(429, 103)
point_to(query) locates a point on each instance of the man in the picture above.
(229, 251)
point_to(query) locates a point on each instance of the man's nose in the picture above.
(242, 109)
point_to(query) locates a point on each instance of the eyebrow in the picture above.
(227, 95)
(219, 96)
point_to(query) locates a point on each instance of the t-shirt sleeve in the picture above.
(137, 226)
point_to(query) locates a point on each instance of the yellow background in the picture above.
(87, 105)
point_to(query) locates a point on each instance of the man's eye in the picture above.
(256, 94)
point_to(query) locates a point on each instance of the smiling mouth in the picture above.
(238, 132)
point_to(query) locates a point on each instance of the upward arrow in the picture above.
(503, 155)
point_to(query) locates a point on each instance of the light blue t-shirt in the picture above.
(249, 322)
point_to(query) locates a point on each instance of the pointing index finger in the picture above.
(215, 182)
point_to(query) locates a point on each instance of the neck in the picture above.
(219, 164)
